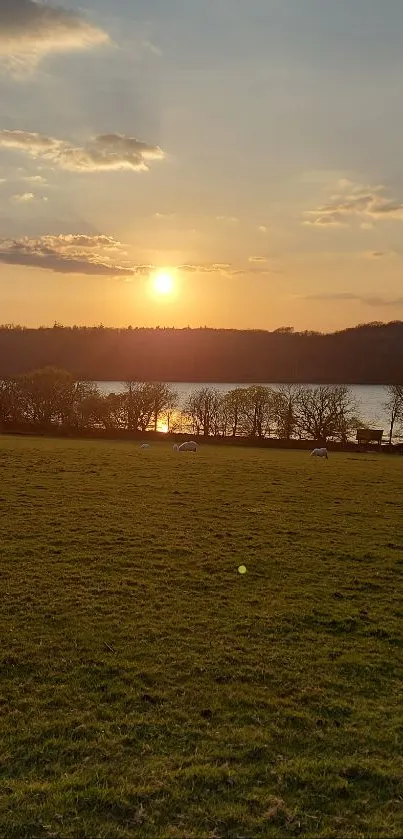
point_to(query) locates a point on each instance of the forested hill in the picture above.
(367, 354)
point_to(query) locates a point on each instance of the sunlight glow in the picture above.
(163, 283)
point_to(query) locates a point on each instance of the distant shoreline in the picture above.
(371, 354)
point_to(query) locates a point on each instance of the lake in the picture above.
(370, 398)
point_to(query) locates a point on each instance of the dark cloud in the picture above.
(63, 255)
(108, 152)
(29, 29)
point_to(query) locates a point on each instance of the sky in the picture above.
(248, 149)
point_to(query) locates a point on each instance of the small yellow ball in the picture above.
(242, 569)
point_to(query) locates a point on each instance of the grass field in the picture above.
(149, 690)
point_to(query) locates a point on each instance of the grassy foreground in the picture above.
(149, 690)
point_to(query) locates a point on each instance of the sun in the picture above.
(163, 283)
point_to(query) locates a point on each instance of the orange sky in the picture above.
(225, 143)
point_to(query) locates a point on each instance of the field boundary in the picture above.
(159, 436)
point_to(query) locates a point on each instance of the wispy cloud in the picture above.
(27, 198)
(107, 152)
(30, 29)
(367, 299)
(102, 255)
(224, 269)
(228, 270)
(228, 219)
(258, 260)
(213, 268)
(35, 179)
(378, 254)
(66, 241)
(153, 48)
(220, 268)
(71, 254)
(355, 201)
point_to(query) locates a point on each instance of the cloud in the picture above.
(27, 198)
(378, 255)
(355, 201)
(262, 228)
(228, 219)
(223, 269)
(35, 179)
(258, 260)
(213, 268)
(65, 241)
(24, 198)
(228, 270)
(30, 29)
(367, 299)
(148, 45)
(144, 270)
(326, 219)
(64, 255)
(107, 152)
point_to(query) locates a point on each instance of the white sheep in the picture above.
(191, 446)
(145, 446)
(319, 453)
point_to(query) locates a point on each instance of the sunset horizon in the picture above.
(201, 418)
(224, 147)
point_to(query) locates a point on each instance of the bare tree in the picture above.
(259, 413)
(326, 412)
(46, 394)
(202, 408)
(233, 407)
(11, 402)
(139, 405)
(394, 405)
(74, 412)
(164, 401)
(286, 410)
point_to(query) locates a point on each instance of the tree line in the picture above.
(52, 397)
(366, 354)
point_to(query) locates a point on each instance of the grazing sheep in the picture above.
(145, 446)
(191, 446)
(320, 453)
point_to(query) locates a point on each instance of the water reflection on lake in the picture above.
(370, 398)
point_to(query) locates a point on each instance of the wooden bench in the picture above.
(366, 436)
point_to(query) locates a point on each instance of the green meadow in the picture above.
(149, 690)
